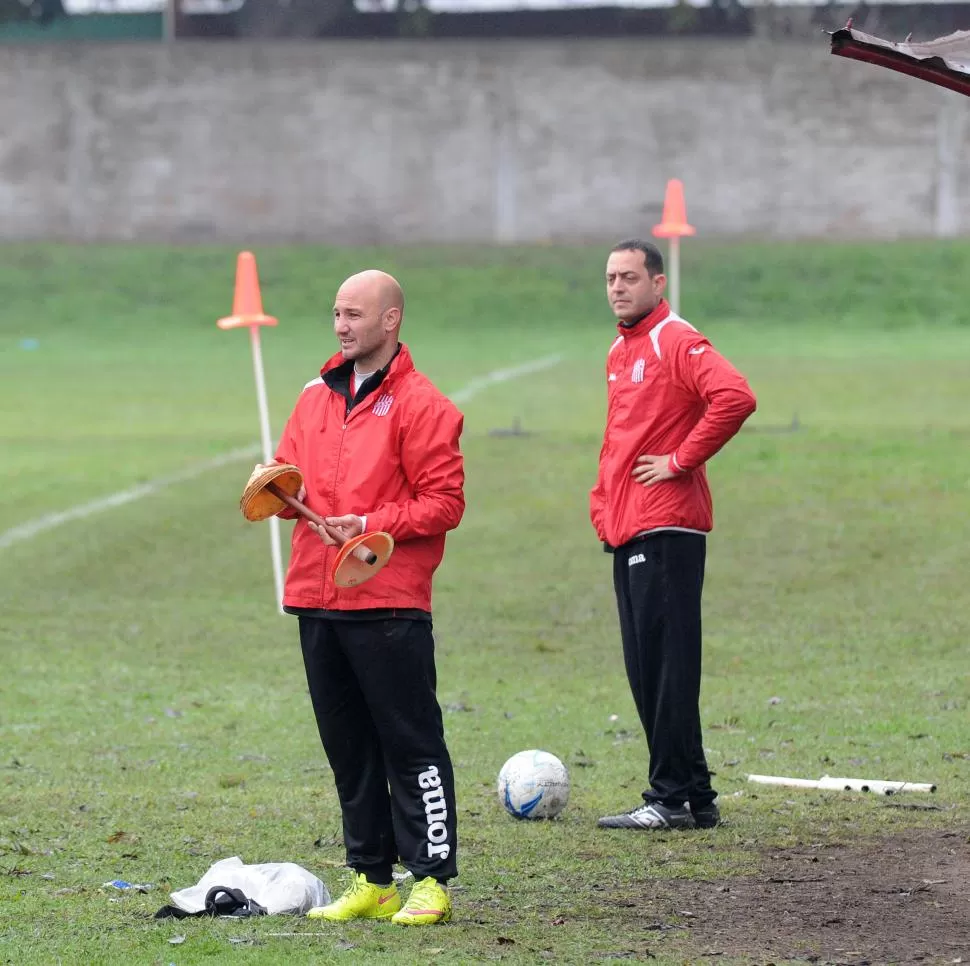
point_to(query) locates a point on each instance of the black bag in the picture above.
(219, 901)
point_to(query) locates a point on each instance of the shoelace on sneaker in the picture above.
(424, 895)
(357, 885)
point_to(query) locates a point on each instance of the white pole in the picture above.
(674, 274)
(267, 445)
(506, 175)
(950, 124)
(168, 20)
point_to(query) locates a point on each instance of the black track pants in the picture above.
(658, 581)
(372, 684)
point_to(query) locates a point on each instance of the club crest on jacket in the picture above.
(382, 404)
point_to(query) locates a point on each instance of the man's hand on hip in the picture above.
(653, 469)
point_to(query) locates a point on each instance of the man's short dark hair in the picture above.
(652, 258)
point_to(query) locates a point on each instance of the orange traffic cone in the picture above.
(674, 223)
(247, 302)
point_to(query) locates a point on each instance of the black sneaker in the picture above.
(707, 816)
(651, 815)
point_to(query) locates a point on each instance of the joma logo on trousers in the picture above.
(436, 812)
(636, 558)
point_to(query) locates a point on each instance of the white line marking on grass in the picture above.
(30, 529)
(34, 527)
(503, 375)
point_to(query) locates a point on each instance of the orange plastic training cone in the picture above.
(247, 302)
(361, 557)
(674, 223)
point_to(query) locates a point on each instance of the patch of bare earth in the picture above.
(904, 899)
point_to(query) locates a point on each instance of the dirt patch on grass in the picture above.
(904, 899)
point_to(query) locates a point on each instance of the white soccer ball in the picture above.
(533, 784)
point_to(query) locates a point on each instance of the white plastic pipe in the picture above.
(787, 782)
(267, 447)
(828, 783)
(876, 786)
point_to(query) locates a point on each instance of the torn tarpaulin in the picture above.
(944, 61)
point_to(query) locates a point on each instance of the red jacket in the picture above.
(394, 459)
(669, 391)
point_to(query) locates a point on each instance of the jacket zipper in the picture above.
(336, 472)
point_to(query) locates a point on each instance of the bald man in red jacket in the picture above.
(673, 402)
(378, 447)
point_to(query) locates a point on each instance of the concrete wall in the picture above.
(470, 141)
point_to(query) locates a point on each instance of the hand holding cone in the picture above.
(271, 488)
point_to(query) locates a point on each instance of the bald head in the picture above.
(383, 289)
(367, 315)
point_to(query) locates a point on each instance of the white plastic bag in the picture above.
(281, 887)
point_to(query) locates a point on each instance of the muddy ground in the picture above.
(900, 900)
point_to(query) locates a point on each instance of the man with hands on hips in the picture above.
(672, 402)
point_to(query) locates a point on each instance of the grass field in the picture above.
(153, 711)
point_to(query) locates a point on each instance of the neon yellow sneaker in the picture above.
(427, 904)
(361, 900)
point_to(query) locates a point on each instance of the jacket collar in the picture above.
(645, 323)
(337, 373)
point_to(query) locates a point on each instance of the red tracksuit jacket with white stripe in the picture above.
(394, 458)
(669, 392)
